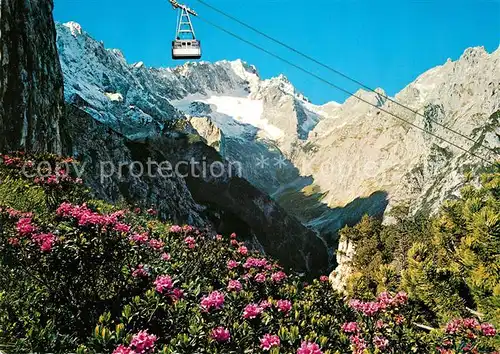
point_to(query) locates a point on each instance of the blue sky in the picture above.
(381, 43)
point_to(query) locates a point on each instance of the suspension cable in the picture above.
(277, 41)
(341, 89)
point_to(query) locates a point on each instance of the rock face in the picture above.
(31, 83)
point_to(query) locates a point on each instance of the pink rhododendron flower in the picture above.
(234, 285)
(13, 241)
(140, 238)
(231, 264)
(120, 227)
(380, 342)
(401, 298)
(265, 304)
(309, 348)
(233, 235)
(358, 343)
(260, 278)
(25, 227)
(283, 306)
(163, 283)
(278, 277)
(252, 311)
(175, 229)
(221, 334)
(177, 294)
(269, 341)
(188, 228)
(44, 241)
(152, 212)
(156, 244)
(234, 243)
(213, 300)
(243, 250)
(323, 278)
(470, 323)
(166, 256)
(453, 326)
(218, 237)
(190, 241)
(379, 324)
(121, 349)
(255, 263)
(350, 327)
(488, 330)
(140, 272)
(367, 308)
(143, 342)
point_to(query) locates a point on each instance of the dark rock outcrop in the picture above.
(31, 82)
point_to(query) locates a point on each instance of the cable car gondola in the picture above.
(185, 45)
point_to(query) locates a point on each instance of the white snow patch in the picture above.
(75, 28)
(138, 65)
(239, 107)
(118, 97)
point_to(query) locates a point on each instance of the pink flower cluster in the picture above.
(11, 161)
(243, 250)
(140, 272)
(141, 343)
(214, 300)
(470, 324)
(16, 214)
(278, 277)
(260, 277)
(163, 283)
(269, 341)
(86, 217)
(221, 334)
(140, 239)
(358, 344)
(369, 309)
(380, 342)
(350, 327)
(190, 242)
(234, 285)
(384, 301)
(25, 227)
(252, 311)
(309, 348)
(252, 262)
(231, 264)
(283, 306)
(324, 278)
(176, 229)
(44, 241)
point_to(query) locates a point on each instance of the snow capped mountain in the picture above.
(328, 165)
(230, 92)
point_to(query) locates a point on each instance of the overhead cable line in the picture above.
(339, 88)
(277, 41)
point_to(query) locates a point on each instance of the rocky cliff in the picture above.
(31, 83)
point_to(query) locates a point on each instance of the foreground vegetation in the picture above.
(79, 275)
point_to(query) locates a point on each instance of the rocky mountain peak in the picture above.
(74, 27)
